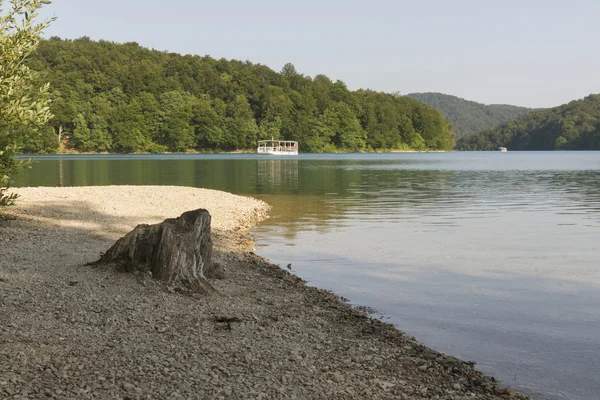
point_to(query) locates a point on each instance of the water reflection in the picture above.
(275, 176)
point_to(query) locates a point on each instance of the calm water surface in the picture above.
(492, 257)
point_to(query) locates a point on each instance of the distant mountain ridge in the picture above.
(571, 126)
(467, 116)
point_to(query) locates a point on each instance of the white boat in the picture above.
(278, 147)
(502, 149)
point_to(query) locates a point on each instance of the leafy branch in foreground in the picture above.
(24, 100)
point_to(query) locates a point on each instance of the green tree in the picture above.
(320, 135)
(23, 99)
(99, 135)
(289, 70)
(175, 130)
(207, 125)
(82, 137)
(242, 131)
(45, 142)
(409, 136)
(349, 134)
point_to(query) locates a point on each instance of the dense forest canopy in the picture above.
(572, 126)
(126, 98)
(469, 117)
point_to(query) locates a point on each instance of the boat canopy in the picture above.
(284, 147)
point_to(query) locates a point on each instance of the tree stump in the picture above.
(177, 251)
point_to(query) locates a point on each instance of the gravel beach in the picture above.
(71, 331)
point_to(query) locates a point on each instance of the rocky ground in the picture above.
(70, 331)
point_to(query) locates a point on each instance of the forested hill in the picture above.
(468, 116)
(126, 98)
(572, 126)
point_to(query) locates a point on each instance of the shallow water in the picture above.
(492, 257)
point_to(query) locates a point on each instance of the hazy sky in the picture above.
(536, 53)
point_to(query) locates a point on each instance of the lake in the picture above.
(492, 257)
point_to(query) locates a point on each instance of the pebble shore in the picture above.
(71, 331)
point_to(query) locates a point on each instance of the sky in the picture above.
(530, 53)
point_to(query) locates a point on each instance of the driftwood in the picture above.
(177, 251)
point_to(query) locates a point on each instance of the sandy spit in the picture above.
(70, 331)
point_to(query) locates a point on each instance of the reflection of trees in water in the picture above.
(298, 196)
(274, 175)
(305, 194)
(331, 193)
(292, 214)
(323, 194)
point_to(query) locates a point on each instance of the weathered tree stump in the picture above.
(177, 251)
